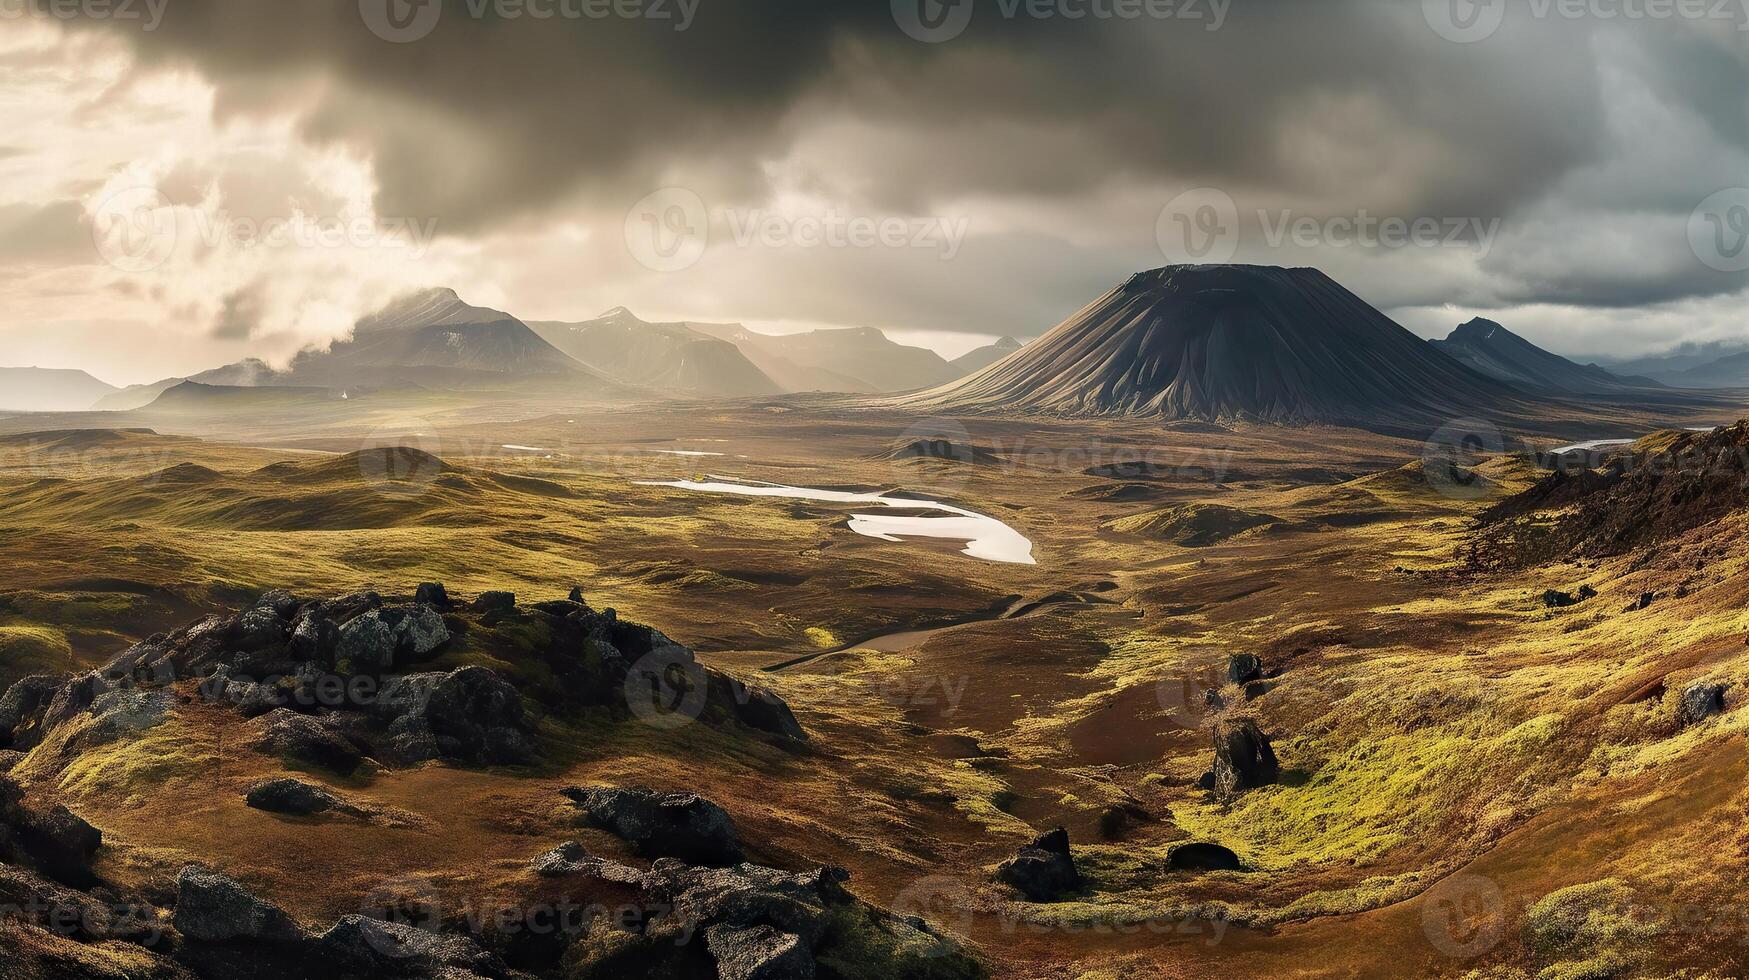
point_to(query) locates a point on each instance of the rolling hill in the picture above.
(246, 373)
(1499, 353)
(671, 358)
(1234, 342)
(34, 389)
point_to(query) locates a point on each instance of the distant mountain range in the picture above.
(1222, 342)
(1499, 353)
(34, 389)
(667, 357)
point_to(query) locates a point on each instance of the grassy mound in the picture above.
(1192, 525)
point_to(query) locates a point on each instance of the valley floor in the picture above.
(1473, 782)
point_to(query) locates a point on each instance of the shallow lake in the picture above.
(986, 537)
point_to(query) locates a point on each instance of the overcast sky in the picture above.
(186, 182)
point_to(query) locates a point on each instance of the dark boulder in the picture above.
(494, 602)
(282, 603)
(1556, 599)
(677, 825)
(315, 638)
(291, 796)
(260, 629)
(1212, 700)
(23, 706)
(755, 707)
(1244, 758)
(577, 595)
(758, 953)
(1700, 701)
(381, 948)
(432, 594)
(1243, 668)
(571, 860)
(211, 908)
(301, 738)
(1043, 871)
(1643, 602)
(749, 895)
(470, 714)
(1198, 856)
(75, 914)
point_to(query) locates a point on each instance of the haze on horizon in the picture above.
(946, 184)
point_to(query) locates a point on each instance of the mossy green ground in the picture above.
(1430, 721)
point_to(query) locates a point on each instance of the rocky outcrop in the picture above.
(570, 860)
(46, 836)
(212, 908)
(1198, 856)
(1244, 759)
(1700, 701)
(469, 714)
(291, 796)
(309, 740)
(674, 825)
(1043, 871)
(1243, 668)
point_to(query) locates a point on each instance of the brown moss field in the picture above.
(1473, 784)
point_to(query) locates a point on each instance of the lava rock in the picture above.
(494, 602)
(577, 595)
(677, 825)
(1244, 758)
(212, 908)
(755, 707)
(78, 915)
(283, 603)
(367, 645)
(316, 638)
(1198, 856)
(61, 843)
(397, 949)
(470, 714)
(749, 895)
(758, 953)
(570, 859)
(259, 629)
(1043, 871)
(1212, 700)
(1643, 602)
(1700, 701)
(432, 594)
(1243, 668)
(301, 738)
(24, 704)
(290, 796)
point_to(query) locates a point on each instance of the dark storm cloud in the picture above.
(486, 119)
(1327, 107)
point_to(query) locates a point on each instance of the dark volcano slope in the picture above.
(1499, 353)
(1236, 342)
